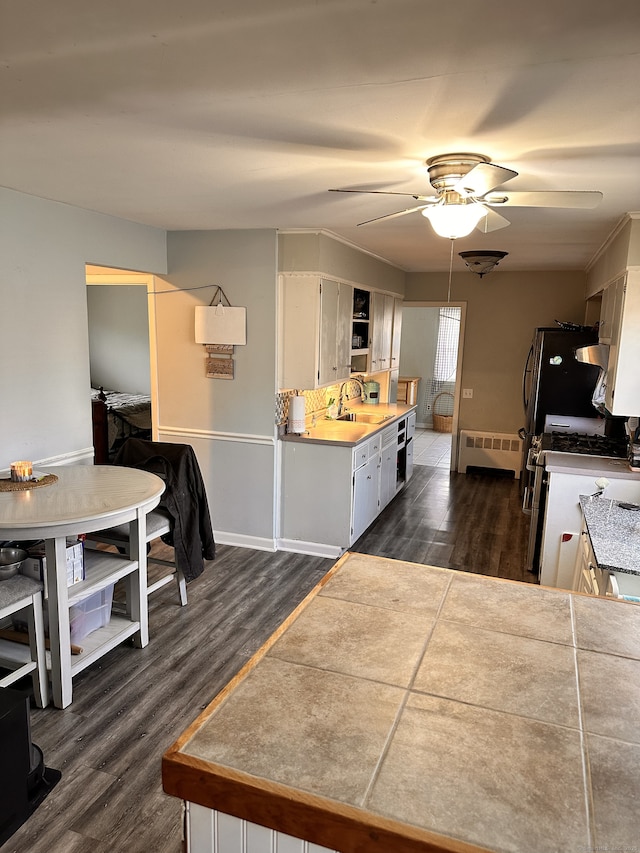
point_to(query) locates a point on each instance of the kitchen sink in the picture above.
(364, 417)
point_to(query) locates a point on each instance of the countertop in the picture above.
(350, 433)
(415, 709)
(614, 531)
(597, 466)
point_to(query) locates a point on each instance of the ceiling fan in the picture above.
(468, 187)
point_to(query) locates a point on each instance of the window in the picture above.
(447, 345)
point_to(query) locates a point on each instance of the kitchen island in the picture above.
(414, 709)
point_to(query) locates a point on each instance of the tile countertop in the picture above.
(350, 433)
(415, 709)
(614, 531)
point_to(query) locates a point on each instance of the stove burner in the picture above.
(590, 445)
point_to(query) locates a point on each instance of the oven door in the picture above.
(537, 499)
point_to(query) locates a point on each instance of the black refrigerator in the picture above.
(554, 382)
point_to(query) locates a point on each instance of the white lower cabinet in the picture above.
(587, 576)
(365, 496)
(388, 466)
(590, 578)
(366, 487)
(331, 494)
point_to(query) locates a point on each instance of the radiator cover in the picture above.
(490, 450)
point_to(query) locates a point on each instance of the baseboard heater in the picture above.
(490, 450)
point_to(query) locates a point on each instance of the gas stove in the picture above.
(589, 445)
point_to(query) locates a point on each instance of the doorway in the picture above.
(122, 336)
(431, 349)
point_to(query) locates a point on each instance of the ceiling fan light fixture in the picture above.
(454, 219)
(482, 262)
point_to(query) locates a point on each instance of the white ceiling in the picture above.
(209, 114)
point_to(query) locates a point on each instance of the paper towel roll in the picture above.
(296, 414)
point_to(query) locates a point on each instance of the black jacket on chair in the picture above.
(185, 498)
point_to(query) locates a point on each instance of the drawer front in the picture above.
(360, 455)
(389, 435)
(411, 425)
(374, 445)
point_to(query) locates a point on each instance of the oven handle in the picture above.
(527, 500)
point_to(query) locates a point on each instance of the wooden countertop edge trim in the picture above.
(252, 662)
(329, 823)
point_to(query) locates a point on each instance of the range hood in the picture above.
(594, 354)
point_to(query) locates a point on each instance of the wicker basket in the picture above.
(442, 423)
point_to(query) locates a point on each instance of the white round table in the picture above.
(83, 499)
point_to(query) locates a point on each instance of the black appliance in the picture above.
(555, 383)
(591, 445)
(24, 779)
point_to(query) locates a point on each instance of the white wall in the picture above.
(230, 423)
(503, 309)
(44, 351)
(321, 252)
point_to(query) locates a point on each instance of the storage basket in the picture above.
(442, 423)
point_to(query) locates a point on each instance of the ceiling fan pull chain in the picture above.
(450, 271)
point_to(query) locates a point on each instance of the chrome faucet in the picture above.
(341, 393)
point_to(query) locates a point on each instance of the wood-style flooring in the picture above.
(131, 705)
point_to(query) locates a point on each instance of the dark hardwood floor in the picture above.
(472, 522)
(129, 707)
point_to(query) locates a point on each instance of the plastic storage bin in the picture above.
(91, 613)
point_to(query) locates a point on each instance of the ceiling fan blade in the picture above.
(389, 192)
(483, 178)
(550, 198)
(492, 222)
(393, 215)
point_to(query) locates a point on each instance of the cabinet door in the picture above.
(344, 331)
(365, 496)
(388, 470)
(608, 311)
(408, 472)
(396, 334)
(299, 327)
(623, 375)
(327, 363)
(336, 308)
(381, 332)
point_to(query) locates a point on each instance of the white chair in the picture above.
(158, 524)
(18, 594)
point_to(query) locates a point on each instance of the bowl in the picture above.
(10, 560)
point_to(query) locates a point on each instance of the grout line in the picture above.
(405, 698)
(586, 767)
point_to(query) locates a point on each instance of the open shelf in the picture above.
(102, 568)
(99, 642)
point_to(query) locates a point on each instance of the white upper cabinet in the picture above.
(314, 331)
(610, 310)
(623, 374)
(396, 334)
(381, 332)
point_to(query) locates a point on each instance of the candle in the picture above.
(21, 471)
